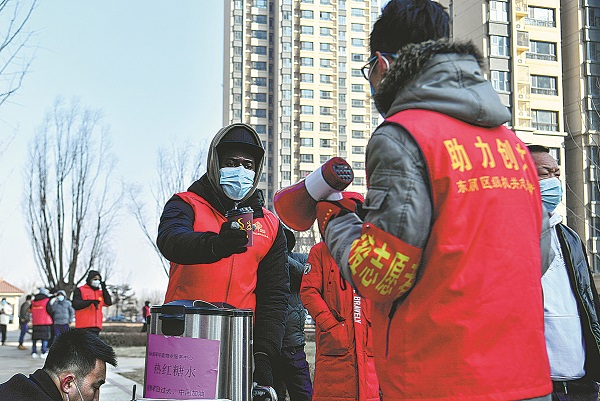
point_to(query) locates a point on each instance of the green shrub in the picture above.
(124, 339)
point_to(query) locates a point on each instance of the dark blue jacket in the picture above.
(582, 284)
(296, 314)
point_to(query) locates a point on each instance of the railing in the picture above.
(541, 56)
(545, 126)
(540, 22)
(544, 91)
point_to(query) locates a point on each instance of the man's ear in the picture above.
(66, 381)
(382, 63)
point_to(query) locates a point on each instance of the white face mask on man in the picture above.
(95, 283)
(236, 181)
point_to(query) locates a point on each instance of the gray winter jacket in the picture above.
(296, 314)
(62, 312)
(437, 76)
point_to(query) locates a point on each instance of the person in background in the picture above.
(344, 361)
(62, 312)
(24, 319)
(88, 301)
(291, 371)
(41, 322)
(450, 244)
(145, 315)
(571, 304)
(6, 311)
(209, 256)
(74, 370)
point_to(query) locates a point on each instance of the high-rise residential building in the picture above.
(292, 70)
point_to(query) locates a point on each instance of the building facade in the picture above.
(292, 71)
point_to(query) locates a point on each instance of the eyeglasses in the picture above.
(366, 69)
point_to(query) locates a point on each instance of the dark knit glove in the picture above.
(229, 241)
(263, 375)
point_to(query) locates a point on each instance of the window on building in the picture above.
(304, 158)
(342, 145)
(286, 159)
(307, 110)
(593, 16)
(286, 142)
(306, 77)
(306, 126)
(357, 88)
(262, 113)
(326, 63)
(259, 97)
(261, 129)
(342, 114)
(342, 19)
(237, 35)
(237, 82)
(357, 42)
(308, 30)
(341, 82)
(286, 78)
(359, 181)
(286, 94)
(357, 27)
(501, 80)
(325, 111)
(237, 114)
(237, 50)
(325, 79)
(325, 16)
(498, 11)
(541, 16)
(342, 129)
(309, 14)
(286, 175)
(237, 66)
(544, 120)
(286, 62)
(358, 103)
(355, 72)
(324, 158)
(358, 165)
(307, 93)
(258, 81)
(542, 50)
(259, 49)
(357, 12)
(499, 45)
(306, 61)
(357, 57)
(286, 110)
(326, 47)
(238, 4)
(326, 127)
(286, 15)
(286, 31)
(544, 85)
(326, 143)
(259, 34)
(358, 150)
(260, 3)
(357, 134)
(342, 67)
(325, 94)
(325, 31)
(306, 45)
(237, 98)
(342, 98)
(307, 142)
(259, 19)
(593, 51)
(356, 118)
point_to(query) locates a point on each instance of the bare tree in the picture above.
(177, 167)
(15, 46)
(71, 203)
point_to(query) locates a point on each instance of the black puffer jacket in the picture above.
(586, 295)
(296, 314)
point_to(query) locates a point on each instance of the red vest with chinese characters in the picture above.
(90, 316)
(231, 280)
(39, 315)
(472, 328)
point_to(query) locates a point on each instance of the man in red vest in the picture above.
(41, 322)
(448, 243)
(88, 301)
(210, 258)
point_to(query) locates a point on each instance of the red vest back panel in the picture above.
(39, 315)
(231, 280)
(473, 326)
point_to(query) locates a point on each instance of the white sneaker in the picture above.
(44, 355)
(35, 356)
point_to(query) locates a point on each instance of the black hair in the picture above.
(408, 21)
(28, 297)
(76, 351)
(538, 149)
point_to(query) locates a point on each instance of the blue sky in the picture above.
(155, 70)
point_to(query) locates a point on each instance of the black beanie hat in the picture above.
(240, 136)
(91, 274)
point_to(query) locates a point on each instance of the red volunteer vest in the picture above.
(473, 326)
(90, 316)
(39, 315)
(231, 280)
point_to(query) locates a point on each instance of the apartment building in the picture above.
(292, 71)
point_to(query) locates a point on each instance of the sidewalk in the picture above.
(116, 388)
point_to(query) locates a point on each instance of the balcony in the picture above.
(541, 56)
(540, 22)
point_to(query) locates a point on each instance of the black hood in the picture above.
(91, 274)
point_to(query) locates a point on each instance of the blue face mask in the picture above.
(236, 182)
(551, 190)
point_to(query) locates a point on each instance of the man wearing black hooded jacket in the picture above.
(210, 258)
(88, 301)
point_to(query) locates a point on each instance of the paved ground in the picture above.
(117, 387)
